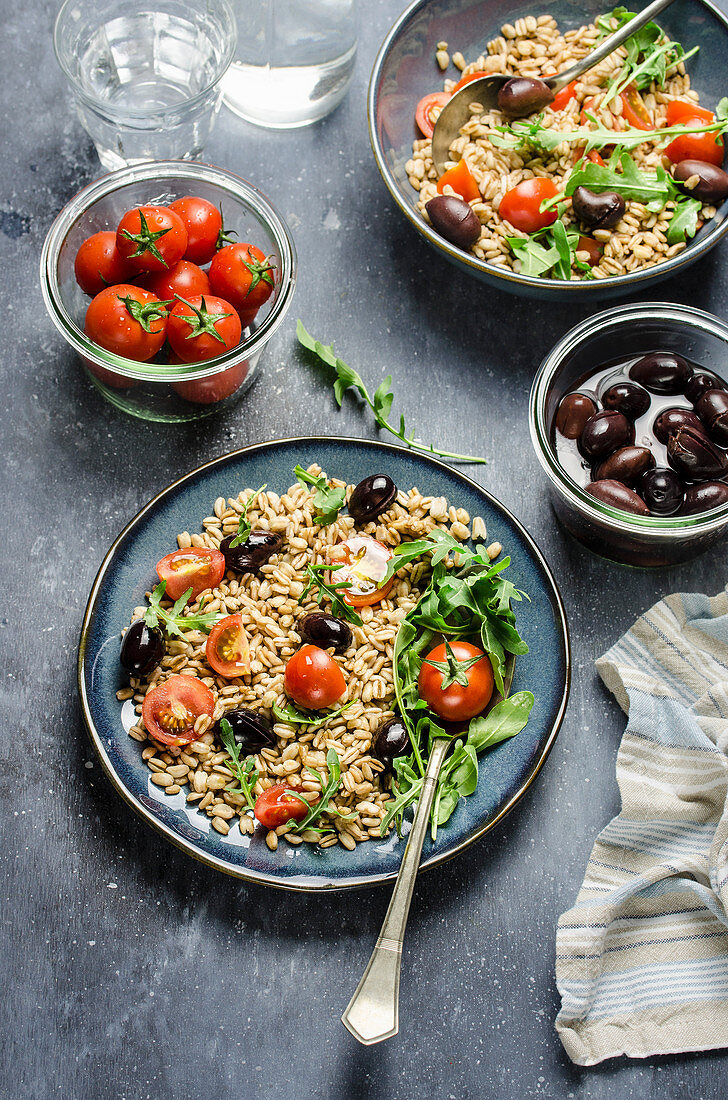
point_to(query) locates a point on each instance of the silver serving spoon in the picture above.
(372, 1014)
(456, 111)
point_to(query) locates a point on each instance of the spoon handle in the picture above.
(373, 1012)
(608, 45)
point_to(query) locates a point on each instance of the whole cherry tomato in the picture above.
(203, 223)
(361, 562)
(423, 112)
(227, 648)
(695, 146)
(521, 205)
(197, 568)
(183, 278)
(99, 264)
(241, 275)
(153, 238)
(441, 687)
(127, 320)
(201, 327)
(275, 807)
(313, 679)
(208, 391)
(171, 710)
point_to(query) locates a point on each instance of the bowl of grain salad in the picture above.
(615, 185)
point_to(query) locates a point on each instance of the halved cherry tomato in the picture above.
(563, 97)
(152, 238)
(678, 109)
(275, 807)
(203, 223)
(242, 275)
(588, 244)
(423, 113)
(227, 649)
(461, 180)
(463, 81)
(521, 205)
(362, 562)
(127, 320)
(208, 391)
(593, 155)
(99, 263)
(183, 278)
(313, 679)
(171, 710)
(202, 327)
(695, 146)
(197, 568)
(634, 110)
(457, 702)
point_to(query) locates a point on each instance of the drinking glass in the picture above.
(145, 76)
(294, 61)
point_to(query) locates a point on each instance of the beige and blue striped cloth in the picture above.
(642, 958)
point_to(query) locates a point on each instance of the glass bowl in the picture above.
(405, 70)
(153, 390)
(623, 333)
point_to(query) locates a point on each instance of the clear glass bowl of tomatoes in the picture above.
(123, 281)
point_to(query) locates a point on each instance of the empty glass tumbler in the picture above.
(294, 60)
(146, 76)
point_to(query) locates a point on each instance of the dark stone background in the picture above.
(128, 970)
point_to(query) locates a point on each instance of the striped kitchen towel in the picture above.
(642, 958)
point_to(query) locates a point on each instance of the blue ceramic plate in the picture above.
(128, 571)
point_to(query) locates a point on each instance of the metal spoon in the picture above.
(456, 111)
(372, 1014)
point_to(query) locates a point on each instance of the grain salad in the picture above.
(561, 226)
(270, 602)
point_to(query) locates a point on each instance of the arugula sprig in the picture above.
(331, 589)
(327, 500)
(244, 526)
(521, 134)
(307, 718)
(245, 771)
(551, 250)
(328, 790)
(380, 404)
(650, 54)
(171, 620)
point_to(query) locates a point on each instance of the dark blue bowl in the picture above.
(128, 571)
(405, 70)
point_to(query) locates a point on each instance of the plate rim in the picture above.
(261, 877)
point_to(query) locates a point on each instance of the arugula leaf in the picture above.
(307, 718)
(506, 719)
(380, 404)
(172, 621)
(327, 500)
(244, 527)
(315, 809)
(331, 589)
(548, 250)
(653, 189)
(246, 774)
(522, 133)
(684, 222)
(650, 56)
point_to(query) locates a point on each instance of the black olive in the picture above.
(252, 731)
(700, 382)
(325, 631)
(671, 419)
(605, 432)
(390, 740)
(248, 556)
(701, 180)
(702, 497)
(454, 220)
(661, 372)
(712, 408)
(371, 497)
(662, 491)
(522, 95)
(694, 457)
(626, 465)
(627, 398)
(573, 412)
(617, 495)
(142, 648)
(597, 211)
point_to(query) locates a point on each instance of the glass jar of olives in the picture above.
(629, 420)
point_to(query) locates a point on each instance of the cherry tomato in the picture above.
(520, 205)
(457, 702)
(99, 264)
(593, 155)
(171, 710)
(275, 807)
(227, 649)
(153, 238)
(241, 275)
(197, 568)
(679, 109)
(563, 97)
(313, 679)
(362, 562)
(461, 180)
(203, 223)
(201, 327)
(588, 244)
(108, 377)
(183, 278)
(208, 391)
(464, 80)
(695, 146)
(127, 320)
(423, 113)
(633, 109)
